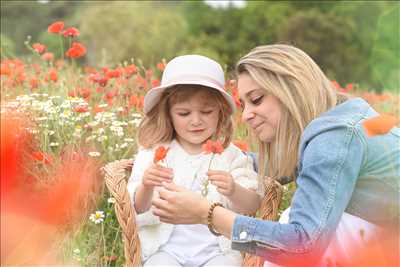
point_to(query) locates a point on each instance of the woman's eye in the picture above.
(257, 100)
(207, 111)
(183, 114)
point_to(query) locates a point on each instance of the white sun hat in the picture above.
(189, 69)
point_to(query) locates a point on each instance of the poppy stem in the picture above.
(61, 46)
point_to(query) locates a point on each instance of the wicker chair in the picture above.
(115, 174)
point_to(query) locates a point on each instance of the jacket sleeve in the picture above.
(329, 168)
(142, 161)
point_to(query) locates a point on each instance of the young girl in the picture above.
(188, 109)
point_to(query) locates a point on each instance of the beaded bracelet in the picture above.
(209, 218)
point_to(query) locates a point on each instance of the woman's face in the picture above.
(261, 110)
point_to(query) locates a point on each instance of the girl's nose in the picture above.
(196, 119)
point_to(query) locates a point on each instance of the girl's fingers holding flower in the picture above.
(216, 172)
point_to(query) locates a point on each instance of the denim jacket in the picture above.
(340, 169)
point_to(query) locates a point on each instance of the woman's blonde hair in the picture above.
(156, 126)
(304, 92)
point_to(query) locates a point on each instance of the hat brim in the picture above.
(153, 95)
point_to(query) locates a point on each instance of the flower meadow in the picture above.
(60, 122)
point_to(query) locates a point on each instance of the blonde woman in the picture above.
(347, 183)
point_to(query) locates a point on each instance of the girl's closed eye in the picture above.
(207, 111)
(183, 114)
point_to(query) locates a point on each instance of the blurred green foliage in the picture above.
(352, 41)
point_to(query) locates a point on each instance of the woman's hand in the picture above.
(155, 174)
(177, 205)
(223, 181)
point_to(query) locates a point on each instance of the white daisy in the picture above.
(97, 217)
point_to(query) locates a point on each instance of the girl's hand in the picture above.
(223, 181)
(178, 205)
(156, 174)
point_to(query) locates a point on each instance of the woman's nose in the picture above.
(247, 114)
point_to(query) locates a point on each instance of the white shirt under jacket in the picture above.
(154, 233)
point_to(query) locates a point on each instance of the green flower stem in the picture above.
(61, 46)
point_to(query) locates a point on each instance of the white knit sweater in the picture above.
(154, 233)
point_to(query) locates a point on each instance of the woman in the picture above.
(304, 133)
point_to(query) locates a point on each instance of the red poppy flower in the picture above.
(81, 109)
(39, 48)
(130, 70)
(242, 145)
(213, 147)
(5, 69)
(155, 83)
(56, 27)
(379, 125)
(161, 66)
(42, 157)
(52, 75)
(34, 82)
(48, 56)
(160, 154)
(71, 32)
(98, 109)
(85, 92)
(76, 50)
(72, 93)
(113, 73)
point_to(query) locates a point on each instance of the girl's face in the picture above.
(195, 121)
(261, 110)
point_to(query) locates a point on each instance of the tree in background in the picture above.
(120, 31)
(385, 56)
(20, 19)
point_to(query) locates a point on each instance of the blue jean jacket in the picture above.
(340, 169)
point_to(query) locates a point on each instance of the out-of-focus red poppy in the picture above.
(242, 145)
(42, 157)
(85, 92)
(76, 50)
(52, 75)
(72, 93)
(5, 69)
(34, 82)
(155, 83)
(97, 78)
(81, 109)
(48, 56)
(39, 48)
(213, 147)
(133, 100)
(160, 154)
(130, 70)
(56, 27)
(349, 87)
(98, 109)
(113, 73)
(71, 32)
(379, 125)
(161, 66)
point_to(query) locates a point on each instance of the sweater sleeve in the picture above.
(242, 170)
(142, 161)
